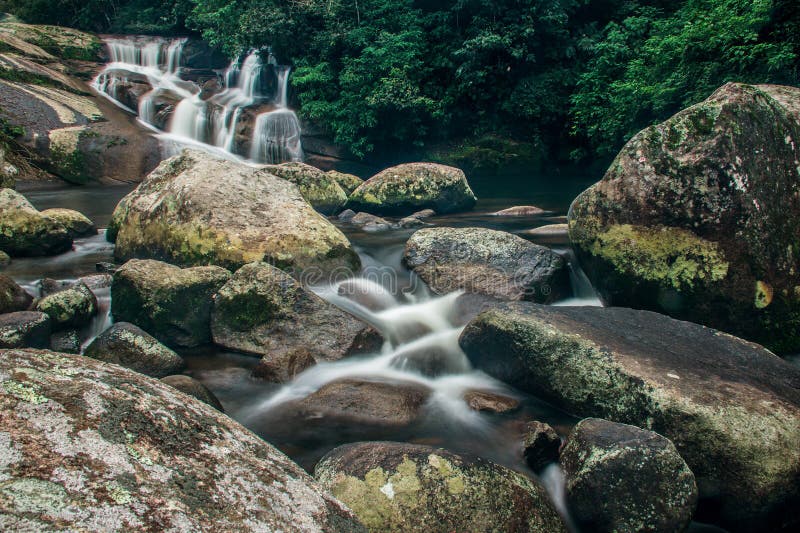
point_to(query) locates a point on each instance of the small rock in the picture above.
(425, 213)
(479, 400)
(194, 388)
(410, 222)
(127, 345)
(541, 445)
(77, 224)
(66, 341)
(370, 222)
(12, 296)
(48, 286)
(552, 233)
(520, 211)
(24, 231)
(71, 308)
(5, 260)
(106, 268)
(25, 329)
(347, 215)
(645, 484)
(97, 281)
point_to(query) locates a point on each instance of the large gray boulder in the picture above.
(623, 478)
(127, 345)
(173, 304)
(24, 231)
(264, 311)
(319, 189)
(195, 209)
(89, 446)
(697, 217)
(405, 487)
(486, 261)
(731, 408)
(407, 188)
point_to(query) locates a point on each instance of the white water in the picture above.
(208, 121)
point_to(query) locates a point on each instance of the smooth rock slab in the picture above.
(25, 329)
(171, 303)
(89, 446)
(622, 478)
(127, 345)
(731, 408)
(405, 487)
(486, 261)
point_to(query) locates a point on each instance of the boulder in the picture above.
(12, 296)
(410, 222)
(194, 388)
(71, 308)
(622, 478)
(697, 217)
(173, 304)
(481, 400)
(406, 487)
(66, 341)
(348, 182)
(263, 311)
(24, 231)
(196, 209)
(89, 446)
(319, 189)
(5, 260)
(370, 222)
(540, 445)
(130, 346)
(731, 408)
(486, 261)
(25, 329)
(520, 211)
(403, 189)
(76, 224)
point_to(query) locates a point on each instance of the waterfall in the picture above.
(179, 105)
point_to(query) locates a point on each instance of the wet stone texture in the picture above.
(86, 446)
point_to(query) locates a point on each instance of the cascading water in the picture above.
(192, 114)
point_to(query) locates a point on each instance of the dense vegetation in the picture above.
(557, 77)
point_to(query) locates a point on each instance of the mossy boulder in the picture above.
(77, 224)
(71, 308)
(193, 388)
(697, 217)
(731, 408)
(12, 296)
(25, 329)
(348, 182)
(407, 188)
(405, 487)
(24, 231)
(623, 478)
(89, 446)
(127, 345)
(195, 209)
(264, 311)
(171, 303)
(486, 261)
(319, 189)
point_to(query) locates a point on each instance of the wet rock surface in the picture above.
(405, 487)
(92, 446)
(703, 389)
(622, 478)
(540, 445)
(486, 261)
(12, 296)
(127, 345)
(25, 329)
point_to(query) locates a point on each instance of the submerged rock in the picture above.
(127, 345)
(264, 311)
(196, 209)
(407, 188)
(486, 261)
(622, 478)
(319, 189)
(370, 222)
(76, 224)
(173, 304)
(194, 388)
(348, 182)
(540, 445)
(480, 400)
(520, 211)
(552, 233)
(697, 217)
(405, 487)
(731, 408)
(71, 308)
(93, 446)
(25, 329)
(24, 231)
(12, 296)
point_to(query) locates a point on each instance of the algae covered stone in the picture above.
(71, 308)
(731, 408)
(77, 224)
(195, 209)
(24, 231)
(171, 303)
(319, 189)
(406, 487)
(89, 446)
(697, 217)
(348, 182)
(127, 345)
(623, 478)
(407, 188)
